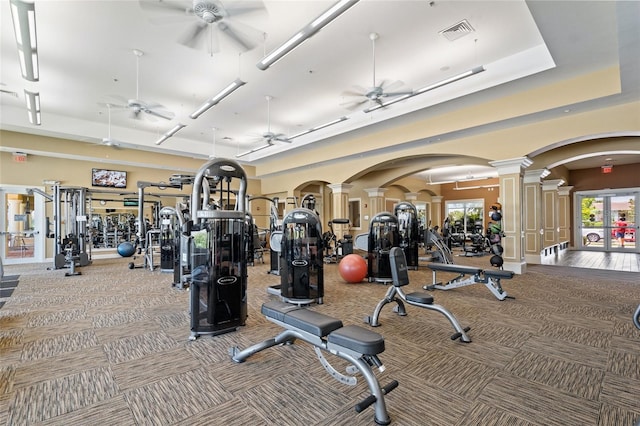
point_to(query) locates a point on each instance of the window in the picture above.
(354, 212)
(465, 215)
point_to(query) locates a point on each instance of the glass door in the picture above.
(20, 226)
(607, 221)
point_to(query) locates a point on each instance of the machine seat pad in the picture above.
(358, 339)
(461, 269)
(498, 273)
(304, 319)
(420, 297)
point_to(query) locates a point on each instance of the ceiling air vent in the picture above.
(456, 31)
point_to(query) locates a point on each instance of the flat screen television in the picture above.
(108, 178)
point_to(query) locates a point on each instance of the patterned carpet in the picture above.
(111, 346)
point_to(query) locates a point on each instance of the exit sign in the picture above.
(607, 169)
(19, 157)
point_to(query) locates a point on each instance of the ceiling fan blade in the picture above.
(352, 105)
(281, 138)
(244, 7)
(167, 115)
(390, 86)
(167, 6)
(353, 93)
(244, 36)
(193, 38)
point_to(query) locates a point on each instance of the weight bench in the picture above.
(489, 277)
(355, 344)
(400, 278)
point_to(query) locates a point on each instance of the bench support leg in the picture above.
(388, 298)
(461, 333)
(496, 289)
(239, 356)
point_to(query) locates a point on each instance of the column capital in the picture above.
(512, 165)
(338, 188)
(437, 198)
(411, 196)
(535, 176)
(375, 192)
(564, 190)
(552, 184)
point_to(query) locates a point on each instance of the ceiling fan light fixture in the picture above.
(305, 33)
(23, 14)
(232, 87)
(33, 107)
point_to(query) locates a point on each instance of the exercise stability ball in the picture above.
(353, 268)
(126, 249)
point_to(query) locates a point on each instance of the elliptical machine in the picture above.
(218, 262)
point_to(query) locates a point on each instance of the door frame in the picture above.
(39, 224)
(606, 195)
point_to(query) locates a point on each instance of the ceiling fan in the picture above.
(211, 19)
(377, 92)
(268, 138)
(109, 141)
(138, 107)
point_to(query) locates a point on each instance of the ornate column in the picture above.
(340, 194)
(510, 173)
(564, 216)
(436, 211)
(532, 214)
(376, 201)
(550, 236)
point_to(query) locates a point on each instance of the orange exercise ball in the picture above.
(352, 268)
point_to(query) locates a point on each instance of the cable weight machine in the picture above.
(218, 262)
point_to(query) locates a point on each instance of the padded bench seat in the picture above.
(498, 273)
(462, 269)
(352, 337)
(312, 322)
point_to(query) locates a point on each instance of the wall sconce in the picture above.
(236, 84)
(33, 106)
(24, 25)
(305, 33)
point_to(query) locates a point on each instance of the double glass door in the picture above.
(21, 233)
(607, 221)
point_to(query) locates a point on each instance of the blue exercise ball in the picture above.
(126, 249)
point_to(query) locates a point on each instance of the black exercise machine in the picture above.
(383, 235)
(358, 346)
(395, 294)
(408, 225)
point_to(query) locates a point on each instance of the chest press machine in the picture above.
(490, 278)
(352, 343)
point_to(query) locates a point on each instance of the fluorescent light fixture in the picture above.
(305, 33)
(251, 151)
(33, 106)
(430, 87)
(23, 13)
(322, 126)
(170, 133)
(237, 83)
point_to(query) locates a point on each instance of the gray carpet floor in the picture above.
(111, 347)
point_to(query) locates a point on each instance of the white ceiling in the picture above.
(86, 60)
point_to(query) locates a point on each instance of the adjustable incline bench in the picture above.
(355, 344)
(400, 278)
(489, 277)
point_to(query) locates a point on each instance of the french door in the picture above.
(21, 226)
(598, 217)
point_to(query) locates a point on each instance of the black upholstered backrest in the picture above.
(399, 272)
